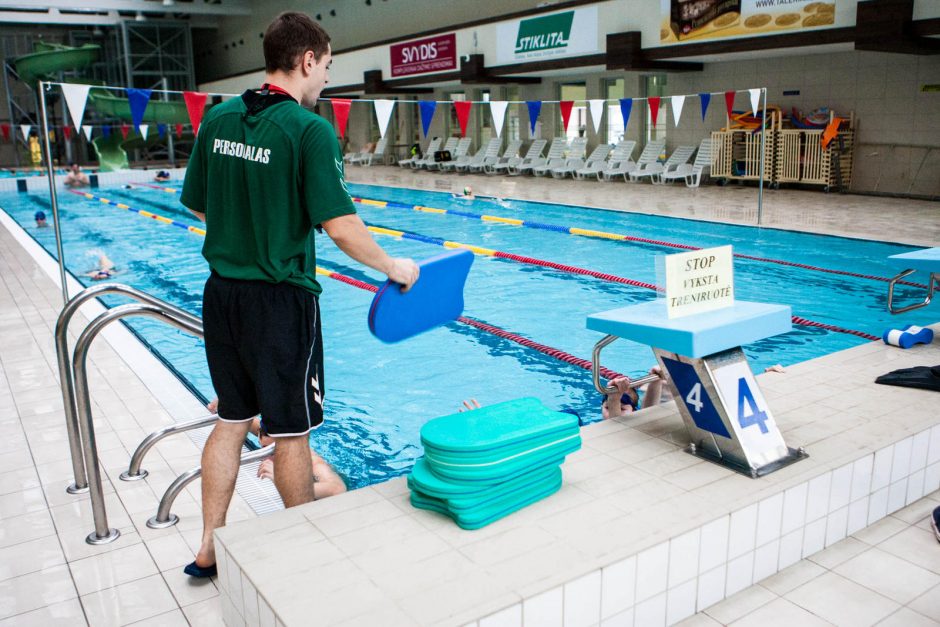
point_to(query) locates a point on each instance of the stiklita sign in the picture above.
(565, 34)
(421, 56)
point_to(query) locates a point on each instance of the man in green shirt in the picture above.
(264, 172)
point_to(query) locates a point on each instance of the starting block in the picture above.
(728, 419)
(926, 260)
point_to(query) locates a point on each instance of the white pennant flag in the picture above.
(755, 99)
(25, 129)
(677, 102)
(597, 110)
(87, 130)
(383, 112)
(143, 128)
(76, 96)
(498, 111)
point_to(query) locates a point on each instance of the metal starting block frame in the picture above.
(926, 260)
(728, 420)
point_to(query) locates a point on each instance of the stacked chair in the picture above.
(450, 145)
(511, 152)
(649, 155)
(457, 153)
(621, 152)
(574, 154)
(597, 156)
(679, 156)
(434, 145)
(462, 164)
(482, 465)
(556, 153)
(506, 165)
(692, 173)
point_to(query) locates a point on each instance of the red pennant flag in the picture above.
(463, 114)
(195, 106)
(179, 131)
(341, 113)
(5, 129)
(68, 132)
(125, 129)
(653, 102)
(565, 106)
(729, 102)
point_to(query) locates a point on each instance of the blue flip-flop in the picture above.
(201, 572)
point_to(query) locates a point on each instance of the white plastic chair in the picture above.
(680, 155)
(506, 163)
(650, 154)
(621, 152)
(598, 155)
(489, 151)
(693, 173)
(460, 155)
(556, 156)
(378, 153)
(433, 145)
(512, 151)
(450, 145)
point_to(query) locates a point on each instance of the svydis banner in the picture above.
(719, 19)
(421, 56)
(566, 34)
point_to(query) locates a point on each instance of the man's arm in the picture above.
(351, 236)
(199, 214)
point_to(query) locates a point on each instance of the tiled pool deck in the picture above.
(634, 537)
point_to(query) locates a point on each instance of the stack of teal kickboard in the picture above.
(482, 465)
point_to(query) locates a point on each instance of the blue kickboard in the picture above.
(435, 299)
(697, 335)
(926, 260)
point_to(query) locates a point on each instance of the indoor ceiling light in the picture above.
(169, 3)
(139, 17)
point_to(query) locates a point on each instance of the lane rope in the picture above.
(483, 326)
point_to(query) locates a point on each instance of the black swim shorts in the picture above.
(265, 353)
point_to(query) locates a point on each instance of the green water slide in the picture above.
(112, 150)
(48, 59)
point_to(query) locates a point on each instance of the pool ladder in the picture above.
(73, 377)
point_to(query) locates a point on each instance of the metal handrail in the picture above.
(134, 472)
(606, 341)
(934, 279)
(164, 518)
(66, 379)
(102, 533)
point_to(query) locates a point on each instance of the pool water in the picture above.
(379, 395)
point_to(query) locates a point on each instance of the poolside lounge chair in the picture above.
(598, 155)
(649, 155)
(555, 152)
(692, 173)
(512, 150)
(489, 151)
(378, 153)
(460, 155)
(510, 160)
(621, 152)
(680, 155)
(433, 145)
(357, 156)
(450, 145)
(574, 152)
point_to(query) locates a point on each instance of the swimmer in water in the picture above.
(105, 270)
(40, 218)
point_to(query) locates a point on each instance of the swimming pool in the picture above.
(379, 395)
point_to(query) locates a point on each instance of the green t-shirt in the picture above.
(265, 171)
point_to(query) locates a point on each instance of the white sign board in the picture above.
(566, 34)
(699, 280)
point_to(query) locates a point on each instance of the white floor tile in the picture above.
(129, 602)
(891, 576)
(779, 613)
(841, 602)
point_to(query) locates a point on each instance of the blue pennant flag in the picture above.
(161, 130)
(106, 130)
(705, 98)
(138, 99)
(535, 106)
(626, 106)
(427, 114)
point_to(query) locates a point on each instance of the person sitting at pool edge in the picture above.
(40, 218)
(75, 177)
(626, 399)
(105, 270)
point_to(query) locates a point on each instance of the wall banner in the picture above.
(702, 20)
(421, 56)
(566, 34)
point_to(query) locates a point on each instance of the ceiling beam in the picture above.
(221, 7)
(90, 19)
(473, 71)
(625, 52)
(888, 26)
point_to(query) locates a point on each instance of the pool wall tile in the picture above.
(683, 558)
(509, 617)
(740, 573)
(618, 587)
(791, 548)
(901, 464)
(583, 601)
(651, 612)
(794, 508)
(711, 587)
(766, 558)
(680, 602)
(652, 566)
(881, 474)
(836, 524)
(546, 609)
(714, 544)
(743, 531)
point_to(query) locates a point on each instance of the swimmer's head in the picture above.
(467, 191)
(40, 216)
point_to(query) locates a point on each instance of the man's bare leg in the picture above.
(220, 458)
(293, 479)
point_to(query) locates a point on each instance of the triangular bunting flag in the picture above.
(653, 103)
(142, 129)
(5, 130)
(626, 105)
(195, 107)
(535, 106)
(106, 130)
(565, 106)
(755, 99)
(138, 99)
(383, 113)
(677, 102)
(463, 114)
(25, 129)
(597, 110)
(86, 128)
(179, 130)
(67, 131)
(76, 97)
(125, 129)
(161, 130)
(729, 102)
(427, 108)
(498, 111)
(341, 113)
(704, 99)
